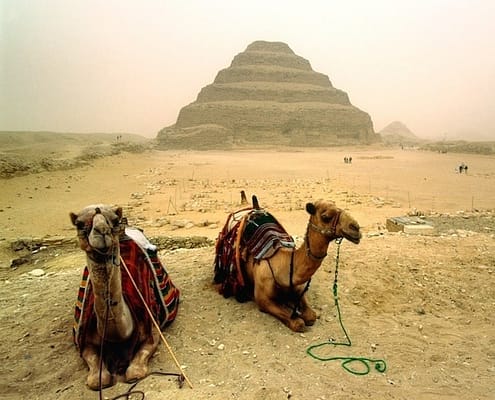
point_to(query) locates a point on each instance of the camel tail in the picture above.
(256, 205)
(243, 198)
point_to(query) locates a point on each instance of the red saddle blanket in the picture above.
(254, 230)
(153, 281)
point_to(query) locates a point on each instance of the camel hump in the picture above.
(256, 205)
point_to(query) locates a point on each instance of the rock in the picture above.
(19, 261)
(37, 272)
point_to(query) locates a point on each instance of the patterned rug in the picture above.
(160, 294)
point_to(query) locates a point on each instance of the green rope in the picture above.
(379, 364)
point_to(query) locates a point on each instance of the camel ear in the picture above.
(118, 211)
(310, 208)
(73, 218)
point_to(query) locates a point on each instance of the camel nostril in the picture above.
(103, 231)
(354, 227)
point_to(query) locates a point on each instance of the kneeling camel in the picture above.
(257, 259)
(112, 330)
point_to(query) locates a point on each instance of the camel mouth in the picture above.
(354, 238)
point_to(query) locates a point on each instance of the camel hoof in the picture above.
(135, 372)
(309, 317)
(93, 380)
(297, 324)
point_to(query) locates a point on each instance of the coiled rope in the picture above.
(364, 362)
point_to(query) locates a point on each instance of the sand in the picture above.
(423, 303)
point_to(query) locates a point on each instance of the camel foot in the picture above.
(309, 317)
(296, 324)
(135, 372)
(93, 380)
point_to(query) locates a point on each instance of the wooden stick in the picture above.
(156, 324)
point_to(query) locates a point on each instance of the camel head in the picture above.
(98, 228)
(333, 222)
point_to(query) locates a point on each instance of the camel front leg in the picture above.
(307, 313)
(269, 306)
(138, 367)
(91, 355)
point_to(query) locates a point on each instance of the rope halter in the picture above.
(84, 231)
(330, 233)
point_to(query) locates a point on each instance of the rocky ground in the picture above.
(422, 303)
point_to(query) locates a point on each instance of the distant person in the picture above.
(465, 168)
(350, 160)
(345, 160)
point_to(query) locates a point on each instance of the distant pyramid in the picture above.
(396, 132)
(397, 128)
(269, 95)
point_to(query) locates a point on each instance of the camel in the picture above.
(112, 330)
(256, 258)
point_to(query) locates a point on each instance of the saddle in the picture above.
(249, 231)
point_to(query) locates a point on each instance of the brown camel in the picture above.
(256, 258)
(112, 329)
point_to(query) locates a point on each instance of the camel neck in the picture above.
(309, 256)
(107, 287)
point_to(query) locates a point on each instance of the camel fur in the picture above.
(126, 330)
(278, 280)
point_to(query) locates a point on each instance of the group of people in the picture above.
(463, 168)
(348, 160)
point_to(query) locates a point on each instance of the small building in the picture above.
(412, 225)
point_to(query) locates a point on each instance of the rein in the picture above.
(112, 250)
(331, 233)
(325, 232)
(118, 261)
(291, 284)
(379, 364)
(130, 392)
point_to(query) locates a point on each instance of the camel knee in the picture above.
(136, 370)
(92, 358)
(93, 380)
(309, 316)
(296, 324)
(138, 367)
(307, 313)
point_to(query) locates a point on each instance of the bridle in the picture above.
(111, 252)
(329, 233)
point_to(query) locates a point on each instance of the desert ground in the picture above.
(425, 304)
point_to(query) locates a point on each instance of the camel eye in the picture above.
(80, 225)
(115, 222)
(326, 219)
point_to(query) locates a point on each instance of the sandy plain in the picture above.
(423, 303)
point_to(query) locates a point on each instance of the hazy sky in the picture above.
(130, 66)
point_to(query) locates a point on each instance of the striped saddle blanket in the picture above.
(259, 234)
(151, 277)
